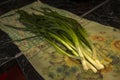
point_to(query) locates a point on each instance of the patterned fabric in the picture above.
(53, 66)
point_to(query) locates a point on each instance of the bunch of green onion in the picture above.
(66, 35)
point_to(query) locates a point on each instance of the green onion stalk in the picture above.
(65, 34)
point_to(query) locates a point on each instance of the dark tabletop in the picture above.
(107, 14)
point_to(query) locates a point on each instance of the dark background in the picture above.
(107, 14)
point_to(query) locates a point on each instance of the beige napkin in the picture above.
(53, 66)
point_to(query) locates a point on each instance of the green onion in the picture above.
(65, 34)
